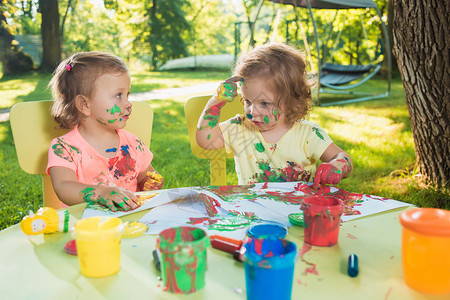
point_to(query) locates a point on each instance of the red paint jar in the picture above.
(322, 217)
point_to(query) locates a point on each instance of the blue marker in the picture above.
(353, 265)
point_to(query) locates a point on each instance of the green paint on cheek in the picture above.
(112, 121)
(209, 136)
(259, 147)
(101, 121)
(114, 110)
(266, 119)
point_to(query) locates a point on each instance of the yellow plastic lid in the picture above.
(427, 221)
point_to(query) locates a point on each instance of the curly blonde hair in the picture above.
(283, 68)
(75, 76)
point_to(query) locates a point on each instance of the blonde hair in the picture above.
(75, 76)
(284, 70)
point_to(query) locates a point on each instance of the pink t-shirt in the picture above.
(74, 152)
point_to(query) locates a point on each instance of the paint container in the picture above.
(425, 249)
(322, 220)
(98, 245)
(262, 231)
(183, 258)
(269, 268)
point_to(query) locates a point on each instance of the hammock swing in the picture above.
(337, 78)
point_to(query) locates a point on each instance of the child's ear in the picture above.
(83, 105)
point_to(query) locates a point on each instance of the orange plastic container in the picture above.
(426, 249)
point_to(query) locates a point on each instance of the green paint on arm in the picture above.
(88, 194)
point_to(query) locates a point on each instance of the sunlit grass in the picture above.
(33, 86)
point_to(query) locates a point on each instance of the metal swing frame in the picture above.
(330, 88)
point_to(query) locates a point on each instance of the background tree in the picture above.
(13, 60)
(421, 45)
(51, 45)
(164, 29)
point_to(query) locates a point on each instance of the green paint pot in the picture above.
(183, 258)
(296, 219)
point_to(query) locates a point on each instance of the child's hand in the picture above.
(227, 90)
(327, 174)
(114, 198)
(154, 181)
(331, 172)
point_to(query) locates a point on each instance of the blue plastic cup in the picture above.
(269, 268)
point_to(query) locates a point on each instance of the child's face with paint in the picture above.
(260, 104)
(109, 101)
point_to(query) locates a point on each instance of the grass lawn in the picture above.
(375, 133)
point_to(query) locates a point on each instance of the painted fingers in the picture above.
(327, 174)
(227, 91)
(154, 181)
(114, 198)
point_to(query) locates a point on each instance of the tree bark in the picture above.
(421, 45)
(51, 45)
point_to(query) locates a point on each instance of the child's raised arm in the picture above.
(209, 136)
(336, 164)
(72, 192)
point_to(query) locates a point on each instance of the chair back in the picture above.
(217, 158)
(33, 129)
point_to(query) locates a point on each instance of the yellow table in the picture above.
(37, 267)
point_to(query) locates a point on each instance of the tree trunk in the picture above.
(51, 45)
(390, 30)
(421, 45)
(154, 35)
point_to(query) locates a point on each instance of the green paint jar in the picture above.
(183, 258)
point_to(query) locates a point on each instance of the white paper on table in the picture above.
(185, 207)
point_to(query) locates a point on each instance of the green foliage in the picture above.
(163, 29)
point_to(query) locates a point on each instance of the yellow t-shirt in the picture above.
(292, 158)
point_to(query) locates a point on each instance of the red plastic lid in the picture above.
(427, 221)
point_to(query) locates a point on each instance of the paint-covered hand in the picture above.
(227, 90)
(154, 181)
(332, 172)
(114, 198)
(327, 174)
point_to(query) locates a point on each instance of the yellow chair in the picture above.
(33, 128)
(217, 158)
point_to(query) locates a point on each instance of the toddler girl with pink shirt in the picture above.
(97, 161)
